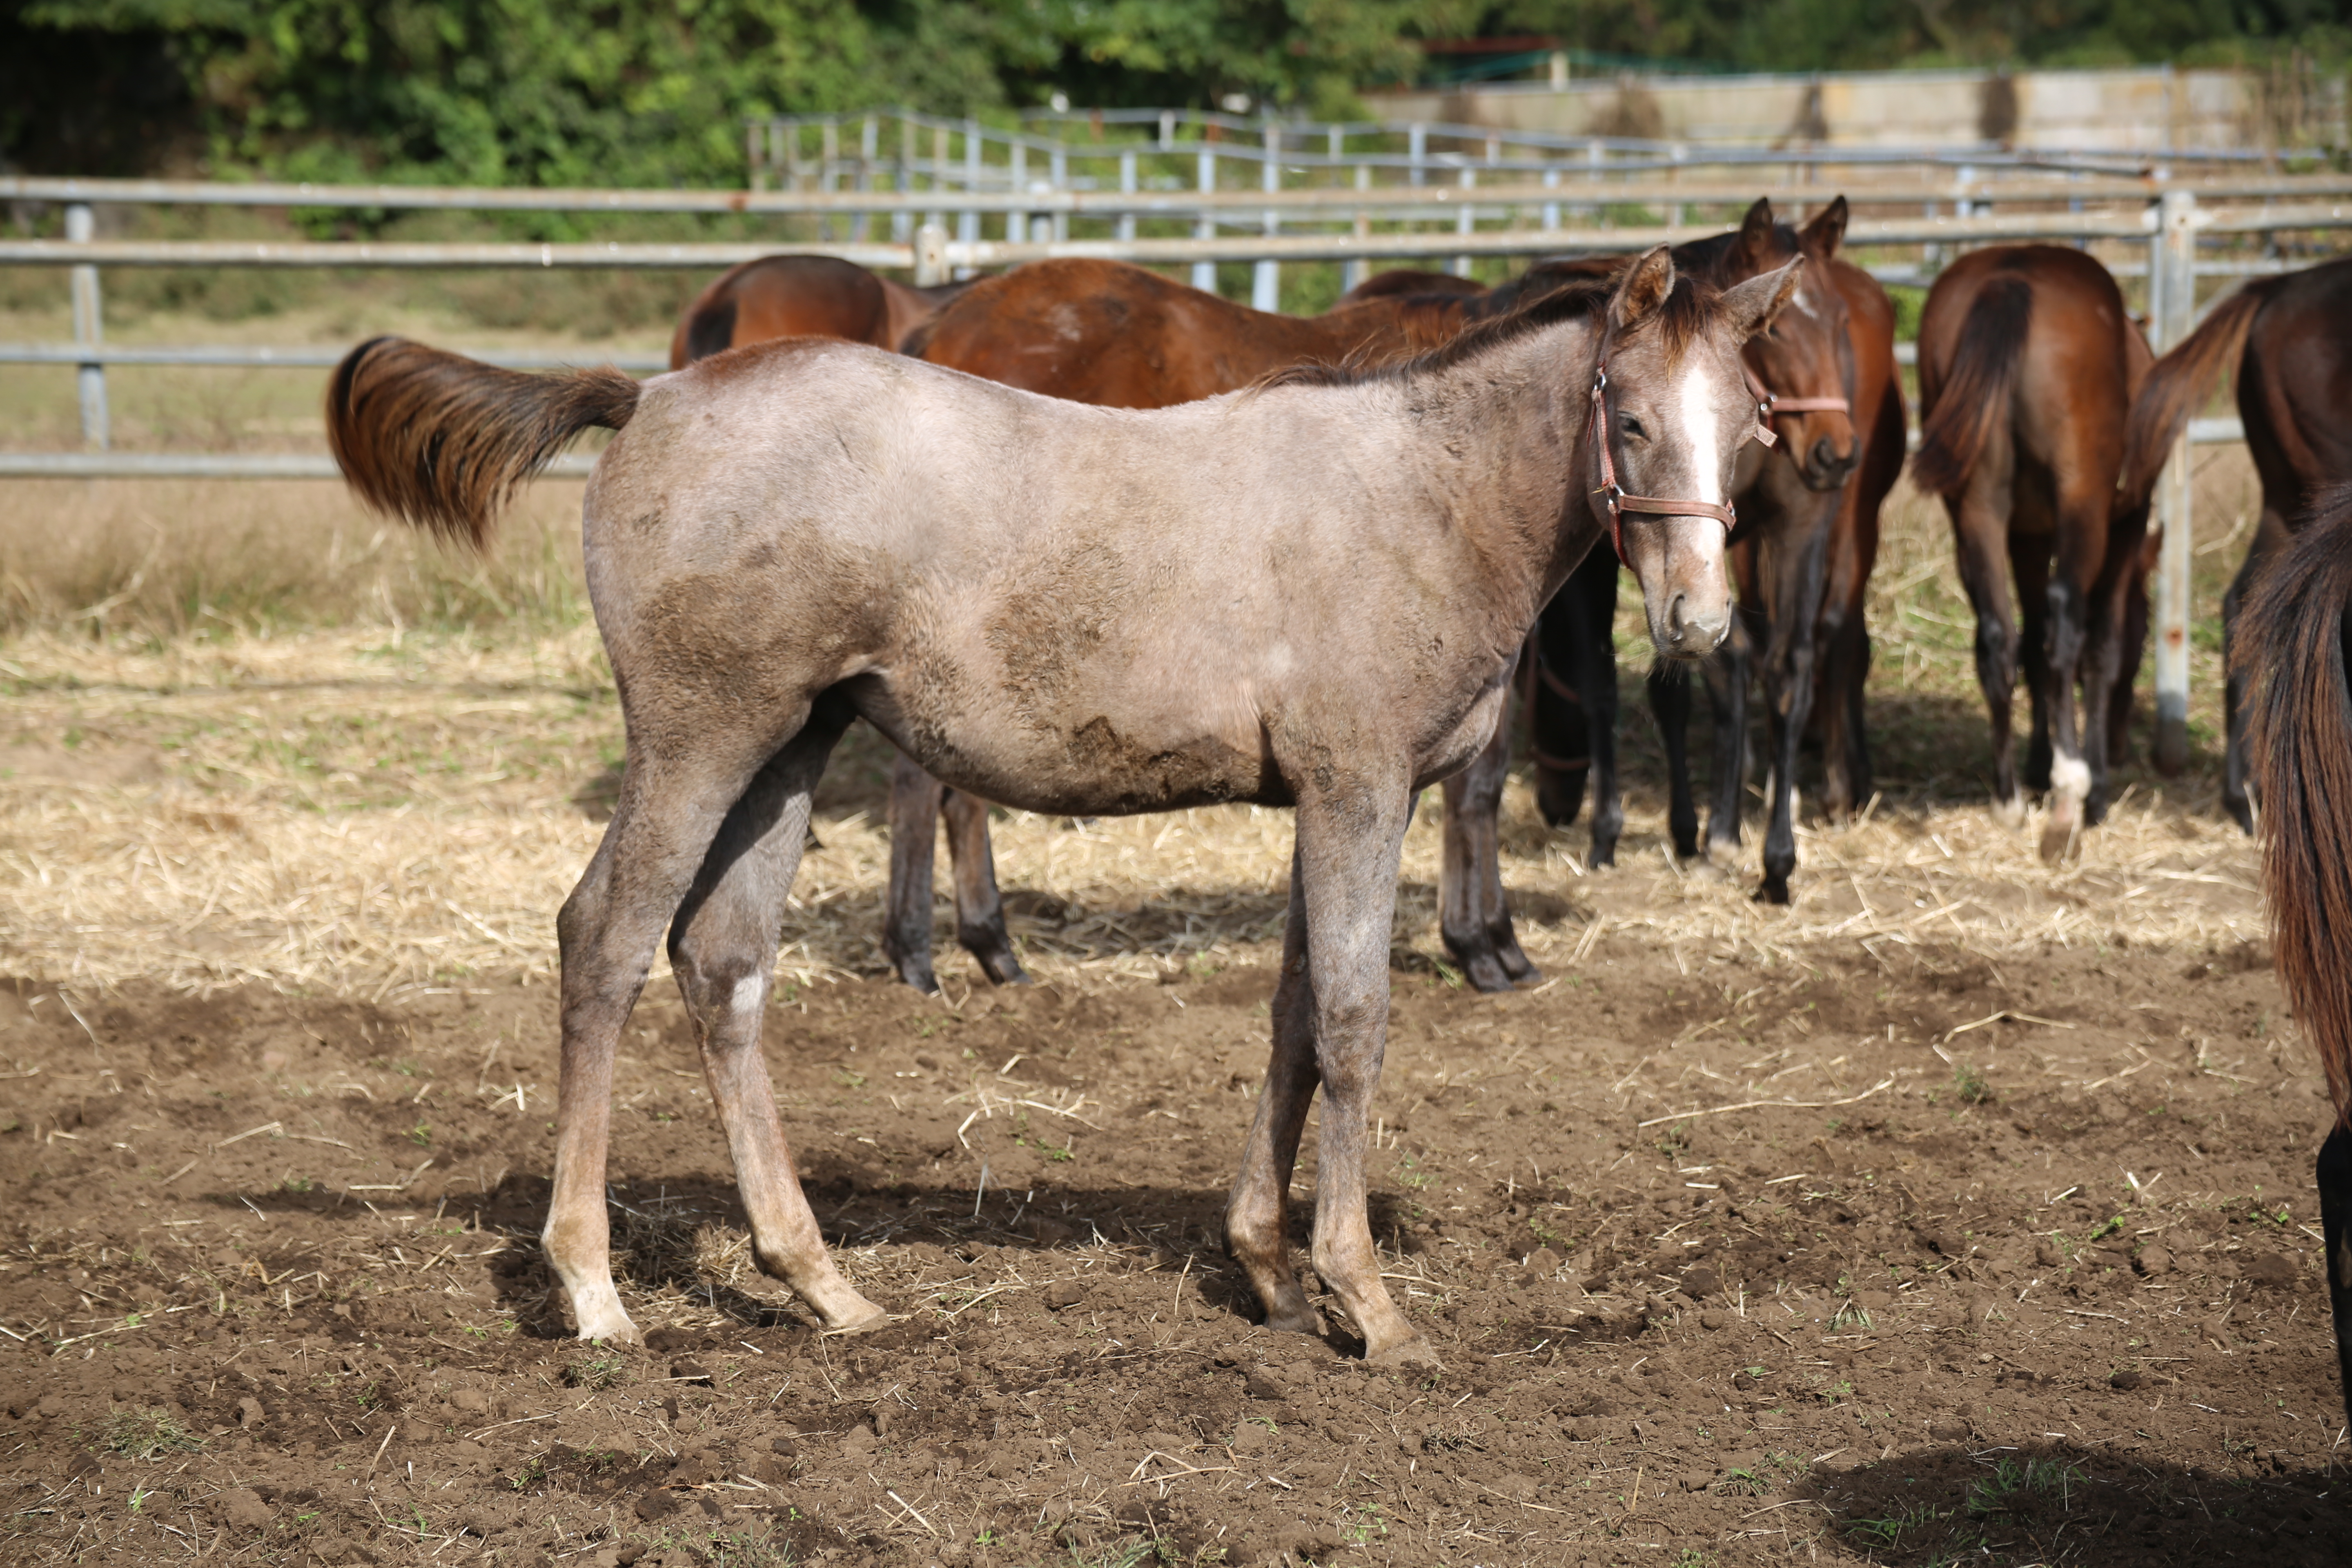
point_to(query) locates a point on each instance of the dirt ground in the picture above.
(2040, 1289)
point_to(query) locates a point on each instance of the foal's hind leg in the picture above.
(722, 948)
(1257, 1212)
(1980, 537)
(979, 908)
(673, 800)
(914, 839)
(1473, 920)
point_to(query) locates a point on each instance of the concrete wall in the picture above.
(2142, 110)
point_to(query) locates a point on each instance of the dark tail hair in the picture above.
(2177, 382)
(442, 442)
(1975, 390)
(2297, 626)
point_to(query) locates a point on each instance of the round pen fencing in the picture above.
(941, 199)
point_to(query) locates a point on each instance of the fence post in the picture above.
(1265, 278)
(1127, 185)
(1417, 151)
(974, 155)
(2172, 257)
(89, 328)
(1352, 272)
(1204, 273)
(1465, 221)
(930, 255)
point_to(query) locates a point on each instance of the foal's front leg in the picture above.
(1343, 892)
(1473, 919)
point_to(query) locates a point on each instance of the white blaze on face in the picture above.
(1698, 417)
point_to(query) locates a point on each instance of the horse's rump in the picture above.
(1975, 387)
(2297, 624)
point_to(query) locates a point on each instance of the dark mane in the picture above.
(1684, 315)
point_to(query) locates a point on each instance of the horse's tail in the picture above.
(2179, 382)
(2296, 625)
(1976, 386)
(441, 441)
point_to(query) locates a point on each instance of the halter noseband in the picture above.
(1768, 407)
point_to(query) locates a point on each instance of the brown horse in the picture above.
(1790, 503)
(1841, 642)
(2028, 366)
(2296, 627)
(2291, 337)
(802, 296)
(1107, 333)
(1310, 594)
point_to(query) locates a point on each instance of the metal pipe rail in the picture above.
(1442, 201)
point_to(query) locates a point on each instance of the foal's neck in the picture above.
(1503, 440)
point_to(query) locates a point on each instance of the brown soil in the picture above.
(270, 1289)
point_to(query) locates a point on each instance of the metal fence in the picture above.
(2151, 225)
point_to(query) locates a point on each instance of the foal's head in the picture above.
(1673, 414)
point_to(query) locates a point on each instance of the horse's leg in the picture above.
(1257, 1214)
(2336, 1226)
(1793, 590)
(2029, 567)
(1670, 704)
(722, 947)
(1981, 541)
(1591, 592)
(979, 908)
(1727, 674)
(914, 838)
(1473, 920)
(1350, 834)
(2237, 795)
(2078, 561)
(672, 802)
(2104, 671)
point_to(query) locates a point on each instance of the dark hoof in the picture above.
(1002, 968)
(1485, 973)
(915, 969)
(1520, 968)
(1296, 1318)
(1686, 846)
(1773, 892)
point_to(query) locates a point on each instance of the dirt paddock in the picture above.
(1961, 1211)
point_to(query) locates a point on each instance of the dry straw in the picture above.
(365, 807)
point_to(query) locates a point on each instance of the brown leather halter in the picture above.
(1770, 405)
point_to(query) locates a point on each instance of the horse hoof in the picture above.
(2009, 813)
(1773, 892)
(612, 1327)
(1485, 974)
(863, 1316)
(1414, 1351)
(1299, 1320)
(1002, 969)
(1723, 854)
(916, 973)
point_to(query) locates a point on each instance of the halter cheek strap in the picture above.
(1770, 405)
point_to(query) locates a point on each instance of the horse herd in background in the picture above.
(2044, 423)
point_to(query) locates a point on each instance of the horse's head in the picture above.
(1669, 412)
(1804, 359)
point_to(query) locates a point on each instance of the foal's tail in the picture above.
(442, 441)
(2179, 382)
(2297, 626)
(1976, 386)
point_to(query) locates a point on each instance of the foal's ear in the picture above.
(1756, 232)
(1751, 307)
(1642, 288)
(1821, 238)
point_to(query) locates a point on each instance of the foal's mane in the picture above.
(1679, 320)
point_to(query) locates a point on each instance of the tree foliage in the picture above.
(636, 92)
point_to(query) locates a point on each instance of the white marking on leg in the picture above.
(750, 996)
(2070, 776)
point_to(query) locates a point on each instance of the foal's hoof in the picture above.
(857, 1316)
(1002, 968)
(1299, 1319)
(1774, 891)
(2009, 813)
(915, 969)
(1409, 1353)
(2058, 837)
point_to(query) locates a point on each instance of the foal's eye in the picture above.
(1629, 425)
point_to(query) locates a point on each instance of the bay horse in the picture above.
(1118, 336)
(2289, 338)
(1790, 501)
(1308, 595)
(2295, 631)
(2028, 367)
(802, 296)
